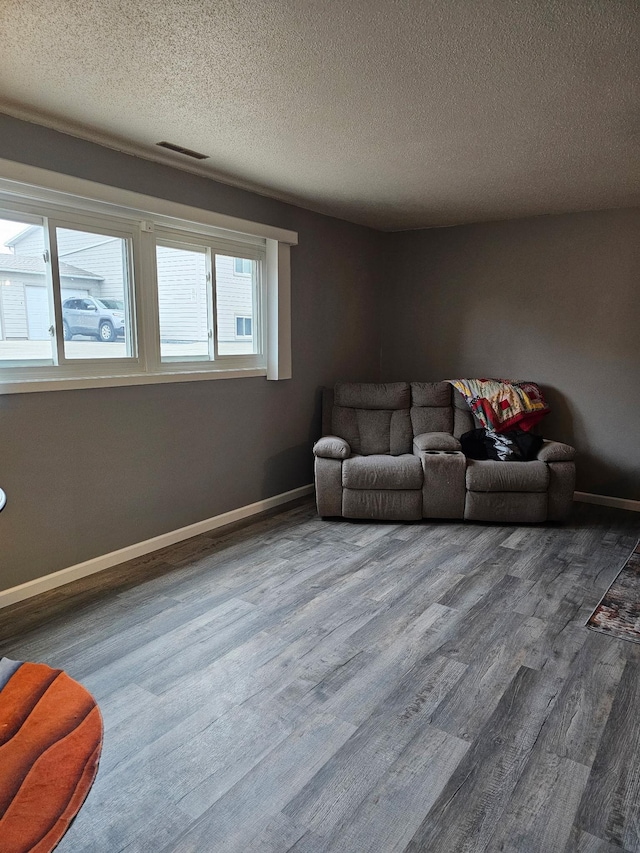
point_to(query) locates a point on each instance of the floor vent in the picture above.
(187, 151)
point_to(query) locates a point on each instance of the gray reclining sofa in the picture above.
(391, 451)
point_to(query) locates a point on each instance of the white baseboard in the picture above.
(607, 500)
(139, 549)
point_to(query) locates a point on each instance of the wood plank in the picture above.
(576, 723)
(583, 842)
(389, 815)
(344, 781)
(610, 807)
(542, 809)
(476, 797)
(469, 705)
(362, 693)
(233, 819)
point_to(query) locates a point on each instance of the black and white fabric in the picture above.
(513, 446)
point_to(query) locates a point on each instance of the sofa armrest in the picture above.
(435, 441)
(332, 447)
(556, 451)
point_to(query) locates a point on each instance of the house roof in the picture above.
(17, 238)
(27, 264)
(393, 114)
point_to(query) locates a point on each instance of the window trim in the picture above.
(172, 241)
(244, 318)
(31, 187)
(236, 271)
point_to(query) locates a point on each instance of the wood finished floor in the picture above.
(340, 687)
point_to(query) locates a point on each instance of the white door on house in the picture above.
(37, 301)
(37, 313)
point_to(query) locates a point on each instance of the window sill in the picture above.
(71, 384)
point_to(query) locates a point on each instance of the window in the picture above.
(93, 292)
(51, 270)
(26, 310)
(105, 316)
(184, 303)
(237, 297)
(199, 298)
(243, 327)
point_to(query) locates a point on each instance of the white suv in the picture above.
(100, 318)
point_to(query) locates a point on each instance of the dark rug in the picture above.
(618, 613)
(50, 742)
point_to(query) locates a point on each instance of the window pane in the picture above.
(243, 327)
(235, 305)
(94, 285)
(183, 303)
(25, 313)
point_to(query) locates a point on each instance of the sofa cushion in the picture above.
(514, 507)
(435, 441)
(387, 504)
(491, 476)
(431, 409)
(459, 401)
(556, 451)
(331, 447)
(382, 472)
(430, 394)
(431, 419)
(463, 418)
(370, 431)
(370, 395)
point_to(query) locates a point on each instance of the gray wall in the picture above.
(90, 471)
(553, 299)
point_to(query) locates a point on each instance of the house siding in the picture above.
(32, 243)
(13, 310)
(99, 255)
(182, 295)
(15, 322)
(234, 298)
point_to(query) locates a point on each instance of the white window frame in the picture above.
(76, 203)
(94, 225)
(236, 271)
(253, 250)
(242, 317)
(169, 239)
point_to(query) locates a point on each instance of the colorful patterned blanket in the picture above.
(501, 405)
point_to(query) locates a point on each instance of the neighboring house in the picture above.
(24, 303)
(93, 263)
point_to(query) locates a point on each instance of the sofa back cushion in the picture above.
(373, 418)
(431, 408)
(463, 418)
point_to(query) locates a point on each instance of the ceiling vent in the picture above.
(186, 151)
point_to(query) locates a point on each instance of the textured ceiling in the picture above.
(392, 113)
